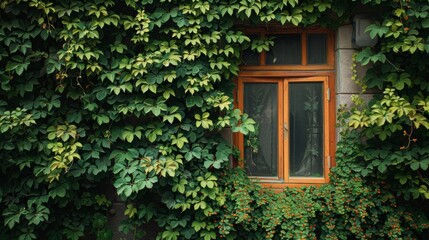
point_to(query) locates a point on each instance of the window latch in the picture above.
(285, 130)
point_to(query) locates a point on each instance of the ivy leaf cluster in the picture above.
(350, 207)
(397, 117)
(123, 100)
(127, 94)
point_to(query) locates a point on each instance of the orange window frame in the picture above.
(283, 178)
(304, 66)
(240, 137)
(283, 75)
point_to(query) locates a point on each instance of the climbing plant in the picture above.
(350, 207)
(395, 123)
(125, 99)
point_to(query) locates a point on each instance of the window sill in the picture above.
(278, 187)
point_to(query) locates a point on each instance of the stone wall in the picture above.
(345, 86)
(344, 50)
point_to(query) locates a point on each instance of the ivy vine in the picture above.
(132, 94)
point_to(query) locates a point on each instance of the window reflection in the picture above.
(261, 148)
(306, 129)
(316, 48)
(286, 50)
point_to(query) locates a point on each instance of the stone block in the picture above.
(344, 80)
(344, 37)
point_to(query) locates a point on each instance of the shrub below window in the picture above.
(350, 207)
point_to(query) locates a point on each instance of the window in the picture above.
(287, 50)
(293, 50)
(288, 93)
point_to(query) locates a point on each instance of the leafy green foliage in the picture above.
(123, 92)
(395, 124)
(133, 95)
(350, 207)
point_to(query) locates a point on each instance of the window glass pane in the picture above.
(306, 129)
(286, 50)
(316, 48)
(260, 102)
(249, 57)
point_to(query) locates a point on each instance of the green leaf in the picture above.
(208, 235)
(425, 23)
(365, 172)
(12, 215)
(194, 100)
(198, 225)
(170, 235)
(415, 166)
(424, 165)
(179, 140)
(403, 180)
(101, 95)
(131, 211)
(382, 167)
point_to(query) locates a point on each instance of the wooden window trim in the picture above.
(304, 49)
(329, 125)
(330, 61)
(326, 110)
(281, 74)
(280, 120)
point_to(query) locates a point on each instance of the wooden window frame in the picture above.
(240, 105)
(330, 61)
(283, 75)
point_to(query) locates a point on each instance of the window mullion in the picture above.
(285, 131)
(304, 48)
(263, 54)
(326, 128)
